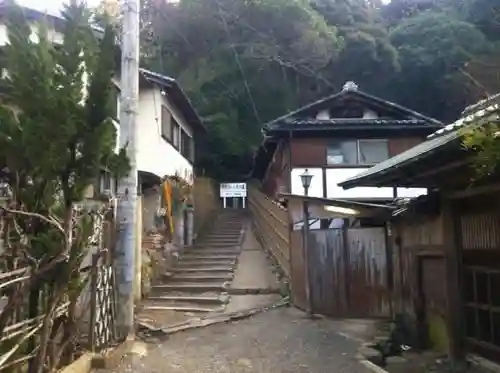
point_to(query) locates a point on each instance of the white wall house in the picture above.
(167, 122)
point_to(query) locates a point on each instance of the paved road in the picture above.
(277, 341)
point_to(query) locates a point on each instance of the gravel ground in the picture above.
(278, 341)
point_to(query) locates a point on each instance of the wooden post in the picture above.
(306, 254)
(453, 294)
(93, 300)
(346, 265)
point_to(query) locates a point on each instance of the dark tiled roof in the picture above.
(359, 94)
(437, 140)
(311, 123)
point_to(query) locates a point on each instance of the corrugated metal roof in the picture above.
(434, 141)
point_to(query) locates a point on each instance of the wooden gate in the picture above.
(348, 272)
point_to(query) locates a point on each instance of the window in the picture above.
(187, 150)
(176, 133)
(342, 152)
(356, 152)
(107, 183)
(166, 124)
(372, 151)
(115, 102)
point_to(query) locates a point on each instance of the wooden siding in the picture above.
(479, 241)
(419, 281)
(277, 174)
(270, 221)
(348, 272)
(400, 144)
(308, 152)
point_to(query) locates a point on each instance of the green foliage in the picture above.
(56, 132)
(245, 62)
(55, 136)
(483, 140)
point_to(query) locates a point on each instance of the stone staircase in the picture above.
(199, 281)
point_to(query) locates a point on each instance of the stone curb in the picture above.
(213, 319)
(253, 291)
(81, 365)
(113, 356)
(373, 367)
(106, 360)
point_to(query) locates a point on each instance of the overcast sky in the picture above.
(51, 6)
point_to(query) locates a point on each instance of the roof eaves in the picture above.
(434, 141)
(336, 201)
(400, 108)
(365, 95)
(402, 159)
(169, 83)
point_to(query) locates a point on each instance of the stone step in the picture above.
(182, 306)
(206, 246)
(200, 277)
(191, 287)
(217, 255)
(203, 256)
(223, 238)
(205, 263)
(226, 228)
(221, 242)
(213, 251)
(204, 270)
(223, 233)
(193, 299)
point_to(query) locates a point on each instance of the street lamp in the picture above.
(306, 178)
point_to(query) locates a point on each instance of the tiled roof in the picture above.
(438, 139)
(311, 122)
(351, 91)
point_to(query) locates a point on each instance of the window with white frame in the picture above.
(187, 148)
(166, 124)
(357, 152)
(176, 133)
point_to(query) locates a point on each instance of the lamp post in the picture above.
(306, 179)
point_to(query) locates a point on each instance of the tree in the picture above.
(434, 48)
(246, 62)
(242, 63)
(56, 136)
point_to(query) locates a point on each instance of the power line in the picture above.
(237, 58)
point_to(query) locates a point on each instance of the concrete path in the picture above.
(278, 341)
(254, 284)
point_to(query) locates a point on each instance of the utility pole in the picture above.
(128, 186)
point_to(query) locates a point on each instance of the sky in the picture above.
(50, 6)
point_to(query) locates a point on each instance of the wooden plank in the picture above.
(454, 303)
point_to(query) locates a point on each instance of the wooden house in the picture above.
(446, 245)
(336, 138)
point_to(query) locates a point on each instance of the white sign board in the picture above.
(228, 190)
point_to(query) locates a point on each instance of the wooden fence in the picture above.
(270, 221)
(41, 318)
